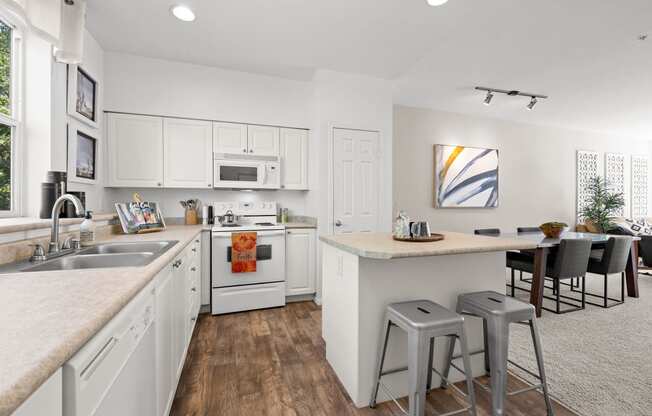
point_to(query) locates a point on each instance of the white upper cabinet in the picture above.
(294, 159)
(188, 149)
(135, 150)
(300, 263)
(230, 138)
(263, 140)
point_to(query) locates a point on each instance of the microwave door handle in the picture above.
(264, 174)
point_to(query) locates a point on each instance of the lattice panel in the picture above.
(587, 168)
(614, 173)
(639, 186)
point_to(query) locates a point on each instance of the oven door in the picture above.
(270, 260)
(239, 174)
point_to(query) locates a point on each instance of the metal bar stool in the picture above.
(498, 311)
(423, 321)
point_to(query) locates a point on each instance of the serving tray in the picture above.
(433, 237)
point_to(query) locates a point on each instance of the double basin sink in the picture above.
(106, 256)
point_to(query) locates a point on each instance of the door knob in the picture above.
(338, 223)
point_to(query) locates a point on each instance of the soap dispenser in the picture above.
(87, 229)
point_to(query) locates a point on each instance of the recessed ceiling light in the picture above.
(436, 2)
(183, 13)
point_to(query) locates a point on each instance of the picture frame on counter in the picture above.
(83, 94)
(83, 154)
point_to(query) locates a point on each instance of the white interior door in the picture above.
(355, 181)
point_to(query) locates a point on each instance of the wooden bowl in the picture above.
(551, 231)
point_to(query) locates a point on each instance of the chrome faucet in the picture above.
(56, 209)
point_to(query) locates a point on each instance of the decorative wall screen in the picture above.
(587, 168)
(614, 173)
(639, 186)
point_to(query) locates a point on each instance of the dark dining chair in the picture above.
(570, 261)
(610, 260)
(490, 232)
(526, 230)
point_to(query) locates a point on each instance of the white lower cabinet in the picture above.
(177, 305)
(300, 262)
(47, 400)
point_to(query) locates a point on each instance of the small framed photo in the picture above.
(83, 92)
(82, 155)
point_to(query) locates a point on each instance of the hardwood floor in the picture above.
(271, 362)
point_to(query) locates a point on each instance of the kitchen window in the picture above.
(9, 120)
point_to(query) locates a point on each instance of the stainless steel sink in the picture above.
(154, 247)
(94, 261)
(101, 256)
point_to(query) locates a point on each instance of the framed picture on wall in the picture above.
(82, 155)
(83, 91)
(465, 177)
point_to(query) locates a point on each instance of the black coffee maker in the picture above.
(55, 185)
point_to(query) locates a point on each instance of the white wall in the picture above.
(93, 63)
(142, 85)
(536, 171)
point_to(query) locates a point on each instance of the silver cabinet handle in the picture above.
(193, 318)
(251, 150)
(159, 184)
(194, 250)
(194, 289)
(209, 185)
(338, 223)
(244, 150)
(193, 269)
(197, 241)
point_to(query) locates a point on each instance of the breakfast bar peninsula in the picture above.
(363, 272)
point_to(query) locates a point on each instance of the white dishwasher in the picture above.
(114, 373)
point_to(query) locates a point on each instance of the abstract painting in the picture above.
(466, 177)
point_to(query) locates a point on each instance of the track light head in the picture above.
(532, 103)
(488, 98)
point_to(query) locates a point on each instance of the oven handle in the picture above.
(221, 234)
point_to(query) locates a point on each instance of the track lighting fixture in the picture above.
(534, 98)
(488, 98)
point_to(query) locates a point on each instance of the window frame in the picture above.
(15, 120)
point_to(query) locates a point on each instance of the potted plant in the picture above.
(603, 205)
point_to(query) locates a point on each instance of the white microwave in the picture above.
(246, 172)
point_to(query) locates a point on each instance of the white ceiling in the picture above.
(584, 54)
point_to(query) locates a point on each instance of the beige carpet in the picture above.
(598, 361)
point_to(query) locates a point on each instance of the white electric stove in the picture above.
(264, 288)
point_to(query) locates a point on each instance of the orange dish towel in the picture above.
(243, 252)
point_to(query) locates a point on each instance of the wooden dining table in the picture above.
(543, 247)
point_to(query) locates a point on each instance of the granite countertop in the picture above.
(48, 316)
(382, 246)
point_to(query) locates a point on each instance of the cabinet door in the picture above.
(294, 159)
(164, 340)
(135, 151)
(300, 261)
(188, 149)
(230, 138)
(179, 314)
(263, 140)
